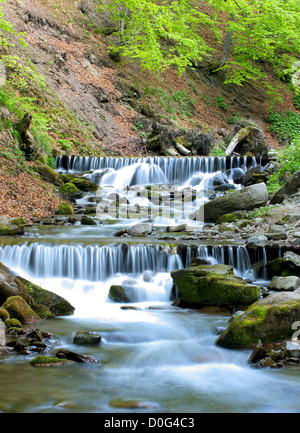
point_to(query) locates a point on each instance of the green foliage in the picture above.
(159, 34)
(288, 163)
(221, 103)
(297, 101)
(285, 126)
(168, 33)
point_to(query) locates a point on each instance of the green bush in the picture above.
(285, 126)
(289, 162)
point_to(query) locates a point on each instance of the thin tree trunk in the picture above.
(226, 50)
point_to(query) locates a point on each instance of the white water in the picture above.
(156, 354)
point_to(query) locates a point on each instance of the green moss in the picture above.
(19, 309)
(213, 285)
(65, 208)
(44, 361)
(11, 323)
(269, 323)
(69, 188)
(4, 231)
(85, 184)
(19, 222)
(4, 315)
(229, 218)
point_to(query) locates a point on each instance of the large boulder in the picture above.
(288, 265)
(12, 226)
(291, 186)
(55, 303)
(284, 283)
(10, 285)
(140, 229)
(247, 198)
(269, 320)
(119, 293)
(214, 285)
(18, 308)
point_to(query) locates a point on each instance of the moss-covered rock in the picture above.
(85, 184)
(87, 338)
(12, 226)
(280, 268)
(65, 208)
(230, 217)
(11, 323)
(48, 361)
(69, 189)
(118, 294)
(214, 285)
(269, 320)
(86, 221)
(42, 311)
(4, 315)
(57, 305)
(21, 222)
(18, 308)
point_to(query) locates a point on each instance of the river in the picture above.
(153, 357)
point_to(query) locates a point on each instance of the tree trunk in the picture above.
(226, 50)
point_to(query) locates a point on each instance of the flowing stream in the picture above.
(155, 357)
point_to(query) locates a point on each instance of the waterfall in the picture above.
(172, 170)
(101, 262)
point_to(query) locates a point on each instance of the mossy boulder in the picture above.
(214, 285)
(13, 323)
(65, 208)
(118, 293)
(69, 188)
(86, 221)
(269, 320)
(12, 226)
(4, 315)
(57, 305)
(87, 338)
(11, 286)
(85, 184)
(230, 217)
(81, 183)
(48, 361)
(70, 191)
(288, 265)
(18, 308)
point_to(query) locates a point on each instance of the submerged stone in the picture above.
(87, 338)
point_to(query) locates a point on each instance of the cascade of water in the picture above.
(98, 263)
(176, 170)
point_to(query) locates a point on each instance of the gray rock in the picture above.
(288, 189)
(87, 338)
(257, 239)
(141, 229)
(247, 198)
(284, 283)
(292, 259)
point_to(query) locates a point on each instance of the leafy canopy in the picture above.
(165, 33)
